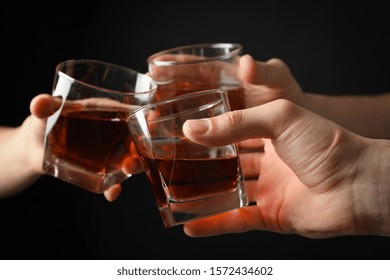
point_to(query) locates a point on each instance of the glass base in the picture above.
(177, 213)
(93, 182)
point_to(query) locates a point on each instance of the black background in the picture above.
(332, 47)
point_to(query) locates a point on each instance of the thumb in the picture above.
(273, 73)
(312, 146)
(265, 121)
(43, 105)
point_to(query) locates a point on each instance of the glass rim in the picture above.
(236, 49)
(117, 66)
(175, 98)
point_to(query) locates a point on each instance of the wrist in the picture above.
(372, 189)
(16, 171)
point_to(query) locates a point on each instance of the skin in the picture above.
(22, 150)
(271, 80)
(318, 179)
(314, 177)
(306, 174)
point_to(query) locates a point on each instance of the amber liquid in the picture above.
(189, 177)
(96, 140)
(235, 94)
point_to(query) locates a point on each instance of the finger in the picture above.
(113, 192)
(43, 105)
(273, 73)
(250, 163)
(132, 165)
(252, 190)
(248, 69)
(236, 221)
(251, 146)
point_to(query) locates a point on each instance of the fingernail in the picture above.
(200, 126)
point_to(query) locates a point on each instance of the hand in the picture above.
(313, 178)
(41, 107)
(263, 81)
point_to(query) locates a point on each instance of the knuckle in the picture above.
(282, 68)
(285, 108)
(285, 114)
(277, 62)
(231, 118)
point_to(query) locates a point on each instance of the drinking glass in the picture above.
(87, 140)
(198, 67)
(189, 181)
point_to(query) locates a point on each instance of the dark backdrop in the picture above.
(331, 48)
